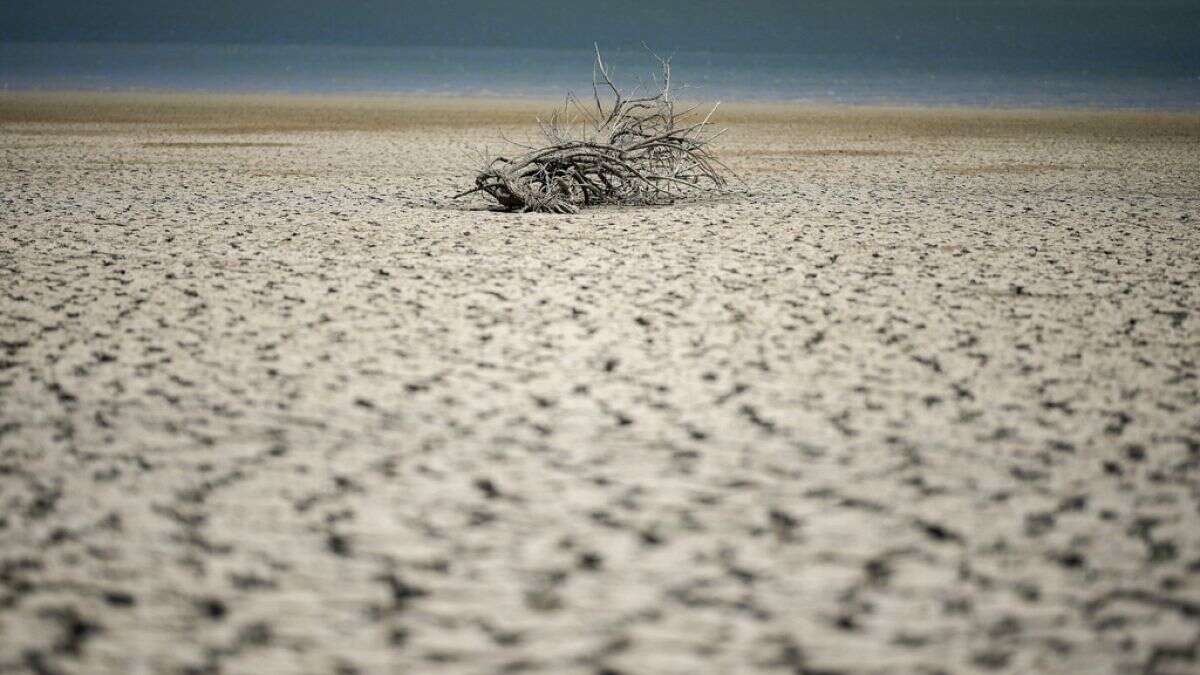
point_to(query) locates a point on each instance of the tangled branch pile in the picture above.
(613, 150)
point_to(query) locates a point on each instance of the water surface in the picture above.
(927, 78)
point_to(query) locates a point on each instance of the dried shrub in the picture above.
(616, 149)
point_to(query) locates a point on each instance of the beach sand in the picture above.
(924, 398)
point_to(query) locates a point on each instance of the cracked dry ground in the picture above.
(925, 401)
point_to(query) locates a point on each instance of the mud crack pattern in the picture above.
(269, 404)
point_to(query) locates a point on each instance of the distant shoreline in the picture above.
(544, 99)
(260, 112)
(938, 80)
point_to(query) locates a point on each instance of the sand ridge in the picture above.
(270, 401)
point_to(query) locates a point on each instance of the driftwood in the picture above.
(612, 150)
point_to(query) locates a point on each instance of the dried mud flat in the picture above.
(925, 400)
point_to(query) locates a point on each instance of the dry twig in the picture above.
(617, 149)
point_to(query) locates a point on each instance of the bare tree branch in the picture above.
(635, 150)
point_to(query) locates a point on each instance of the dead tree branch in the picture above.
(619, 149)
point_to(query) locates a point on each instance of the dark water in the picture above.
(922, 79)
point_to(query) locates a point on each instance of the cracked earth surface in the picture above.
(925, 400)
